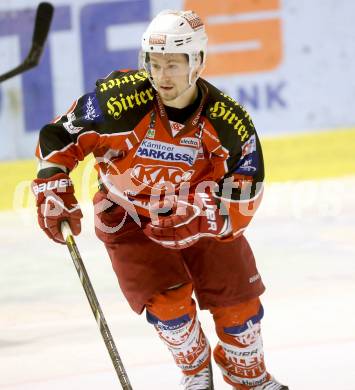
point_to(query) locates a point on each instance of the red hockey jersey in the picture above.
(137, 149)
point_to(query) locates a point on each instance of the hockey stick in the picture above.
(44, 16)
(95, 307)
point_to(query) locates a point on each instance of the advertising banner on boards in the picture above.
(290, 63)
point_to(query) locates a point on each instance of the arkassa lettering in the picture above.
(162, 151)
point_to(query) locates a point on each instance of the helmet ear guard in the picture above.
(173, 32)
(195, 60)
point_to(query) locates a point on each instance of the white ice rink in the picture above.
(303, 238)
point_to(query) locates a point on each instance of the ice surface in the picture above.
(303, 238)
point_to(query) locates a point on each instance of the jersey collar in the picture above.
(194, 119)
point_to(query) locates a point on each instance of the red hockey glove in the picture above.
(56, 203)
(188, 222)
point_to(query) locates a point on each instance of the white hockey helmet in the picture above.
(174, 31)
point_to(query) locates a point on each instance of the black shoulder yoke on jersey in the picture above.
(237, 134)
(119, 103)
(124, 98)
(232, 123)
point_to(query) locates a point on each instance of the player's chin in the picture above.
(169, 95)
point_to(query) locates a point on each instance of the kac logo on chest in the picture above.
(152, 175)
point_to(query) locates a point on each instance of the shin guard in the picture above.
(239, 352)
(174, 317)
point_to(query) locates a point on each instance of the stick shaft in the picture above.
(95, 307)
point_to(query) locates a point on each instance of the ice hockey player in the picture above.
(180, 172)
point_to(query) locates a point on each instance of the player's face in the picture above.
(170, 73)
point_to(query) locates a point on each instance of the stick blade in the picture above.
(43, 21)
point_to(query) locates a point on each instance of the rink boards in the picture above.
(316, 155)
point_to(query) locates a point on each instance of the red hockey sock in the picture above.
(173, 314)
(239, 352)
